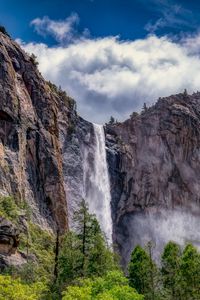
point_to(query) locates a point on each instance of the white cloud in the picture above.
(111, 77)
(60, 30)
(170, 14)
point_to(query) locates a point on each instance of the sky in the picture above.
(111, 56)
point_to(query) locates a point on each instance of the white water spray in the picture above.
(97, 184)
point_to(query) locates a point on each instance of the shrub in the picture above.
(14, 289)
(8, 208)
(33, 59)
(68, 101)
(112, 286)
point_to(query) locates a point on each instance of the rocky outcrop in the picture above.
(30, 153)
(9, 242)
(154, 167)
(9, 237)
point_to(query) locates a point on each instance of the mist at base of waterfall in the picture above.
(176, 225)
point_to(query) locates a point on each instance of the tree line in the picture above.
(175, 277)
(81, 266)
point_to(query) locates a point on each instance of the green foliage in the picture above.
(14, 289)
(84, 253)
(11, 209)
(70, 259)
(87, 268)
(100, 258)
(144, 274)
(112, 286)
(190, 273)
(69, 102)
(170, 269)
(139, 267)
(8, 208)
(38, 245)
(96, 256)
(33, 241)
(41, 244)
(179, 277)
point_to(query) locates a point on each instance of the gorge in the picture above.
(141, 177)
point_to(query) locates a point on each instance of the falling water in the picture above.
(97, 185)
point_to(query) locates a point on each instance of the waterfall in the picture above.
(97, 184)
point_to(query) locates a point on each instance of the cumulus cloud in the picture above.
(61, 30)
(108, 76)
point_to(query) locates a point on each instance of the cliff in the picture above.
(30, 154)
(154, 164)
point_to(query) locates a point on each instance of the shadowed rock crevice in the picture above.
(4, 116)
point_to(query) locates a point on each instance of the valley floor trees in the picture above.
(176, 278)
(87, 268)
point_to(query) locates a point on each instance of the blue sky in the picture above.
(127, 18)
(112, 55)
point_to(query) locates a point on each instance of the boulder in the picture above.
(9, 237)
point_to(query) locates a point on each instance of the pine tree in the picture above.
(83, 224)
(100, 258)
(84, 253)
(143, 273)
(170, 270)
(190, 273)
(112, 120)
(70, 259)
(96, 257)
(138, 270)
(144, 108)
(185, 93)
(153, 274)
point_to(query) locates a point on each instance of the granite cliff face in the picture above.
(75, 146)
(154, 162)
(30, 154)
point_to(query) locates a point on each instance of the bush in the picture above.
(14, 289)
(39, 243)
(11, 209)
(112, 286)
(8, 208)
